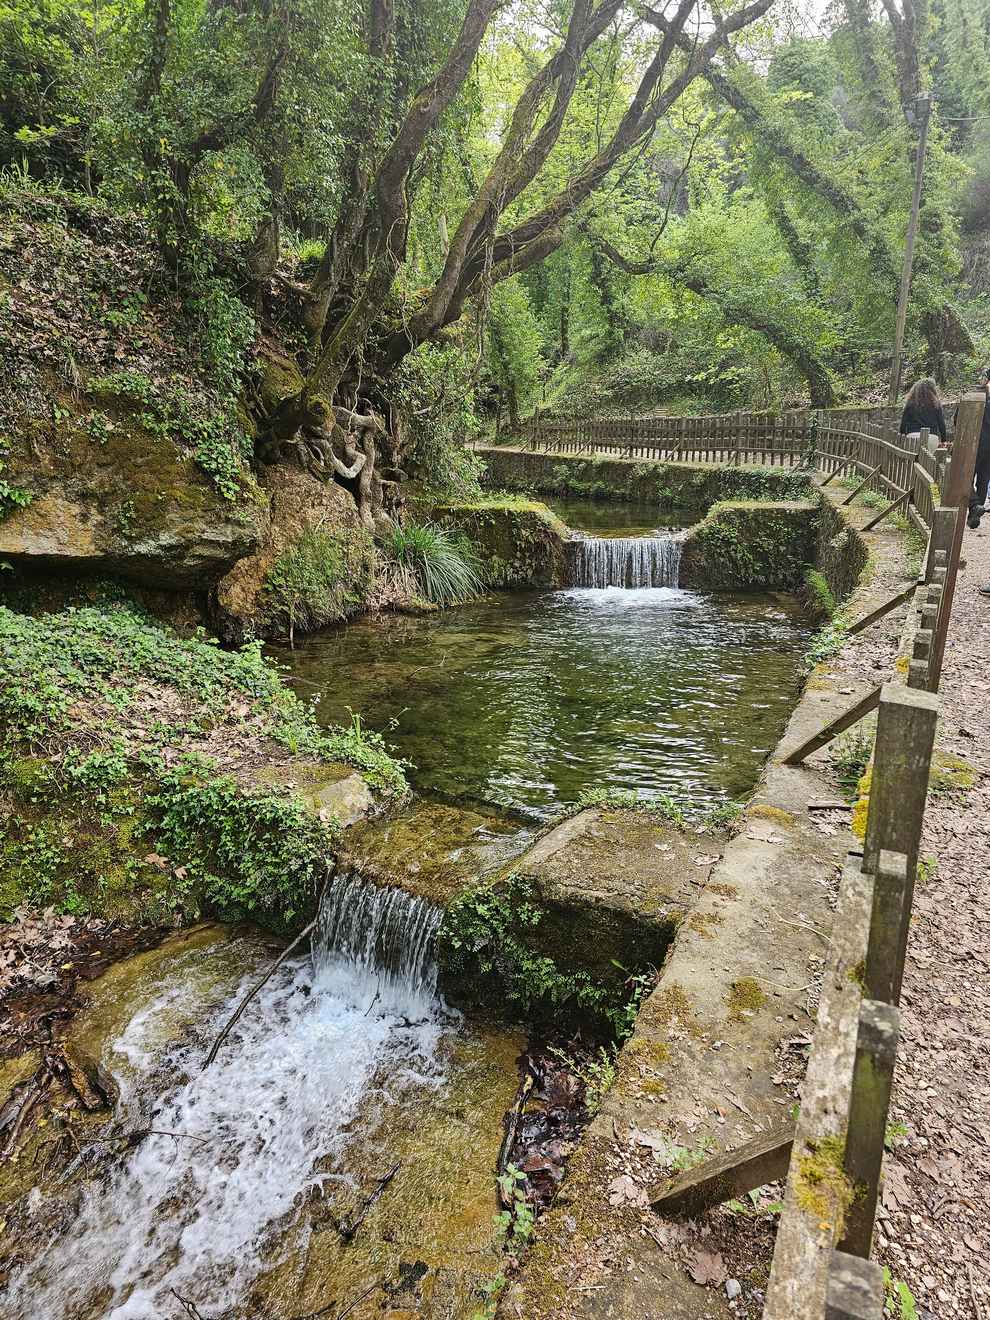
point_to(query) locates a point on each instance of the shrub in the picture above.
(446, 567)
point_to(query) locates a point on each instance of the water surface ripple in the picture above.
(524, 700)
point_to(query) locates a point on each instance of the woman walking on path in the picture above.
(981, 481)
(923, 408)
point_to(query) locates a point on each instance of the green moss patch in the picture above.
(747, 546)
(745, 998)
(822, 1188)
(950, 774)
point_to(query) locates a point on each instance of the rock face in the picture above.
(315, 565)
(130, 506)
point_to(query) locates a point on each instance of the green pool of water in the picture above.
(601, 518)
(525, 700)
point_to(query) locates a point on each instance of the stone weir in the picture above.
(579, 907)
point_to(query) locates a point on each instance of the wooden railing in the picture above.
(833, 1153)
(821, 1264)
(840, 442)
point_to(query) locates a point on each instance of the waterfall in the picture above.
(624, 561)
(381, 941)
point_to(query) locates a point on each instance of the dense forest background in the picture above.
(429, 219)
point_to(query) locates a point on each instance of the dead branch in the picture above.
(509, 1137)
(254, 990)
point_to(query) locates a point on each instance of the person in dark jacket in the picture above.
(923, 408)
(981, 479)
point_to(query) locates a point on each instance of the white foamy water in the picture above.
(205, 1212)
(624, 561)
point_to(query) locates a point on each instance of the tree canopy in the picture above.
(559, 203)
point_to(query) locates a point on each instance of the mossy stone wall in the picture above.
(748, 546)
(666, 485)
(520, 543)
(840, 552)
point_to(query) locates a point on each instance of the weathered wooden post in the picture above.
(873, 1078)
(855, 1289)
(898, 791)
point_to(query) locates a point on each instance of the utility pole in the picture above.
(924, 111)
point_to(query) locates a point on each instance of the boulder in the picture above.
(316, 564)
(131, 505)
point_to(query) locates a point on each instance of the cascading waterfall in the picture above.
(625, 561)
(381, 940)
(208, 1199)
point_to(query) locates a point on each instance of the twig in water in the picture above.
(348, 1230)
(378, 995)
(189, 1307)
(358, 1300)
(163, 1132)
(313, 1315)
(254, 990)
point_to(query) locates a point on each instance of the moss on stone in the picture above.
(704, 923)
(777, 814)
(861, 806)
(745, 998)
(748, 546)
(822, 1188)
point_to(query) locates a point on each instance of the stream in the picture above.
(342, 1067)
(348, 1094)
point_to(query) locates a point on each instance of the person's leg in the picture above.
(981, 484)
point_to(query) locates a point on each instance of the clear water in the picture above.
(342, 1066)
(524, 700)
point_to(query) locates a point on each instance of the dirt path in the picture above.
(934, 1229)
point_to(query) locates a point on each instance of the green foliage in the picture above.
(518, 1222)
(662, 807)
(725, 814)
(819, 594)
(827, 641)
(11, 497)
(245, 853)
(446, 567)
(317, 579)
(898, 1299)
(596, 1072)
(61, 674)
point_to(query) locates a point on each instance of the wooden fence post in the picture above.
(855, 1289)
(884, 956)
(898, 791)
(807, 1233)
(873, 1078)
(959, 488)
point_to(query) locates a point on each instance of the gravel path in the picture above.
(934, 1226)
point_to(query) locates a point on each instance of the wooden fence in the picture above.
(840, 442)
(833, 1153)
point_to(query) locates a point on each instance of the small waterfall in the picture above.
(625, 561)
(381, 941)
